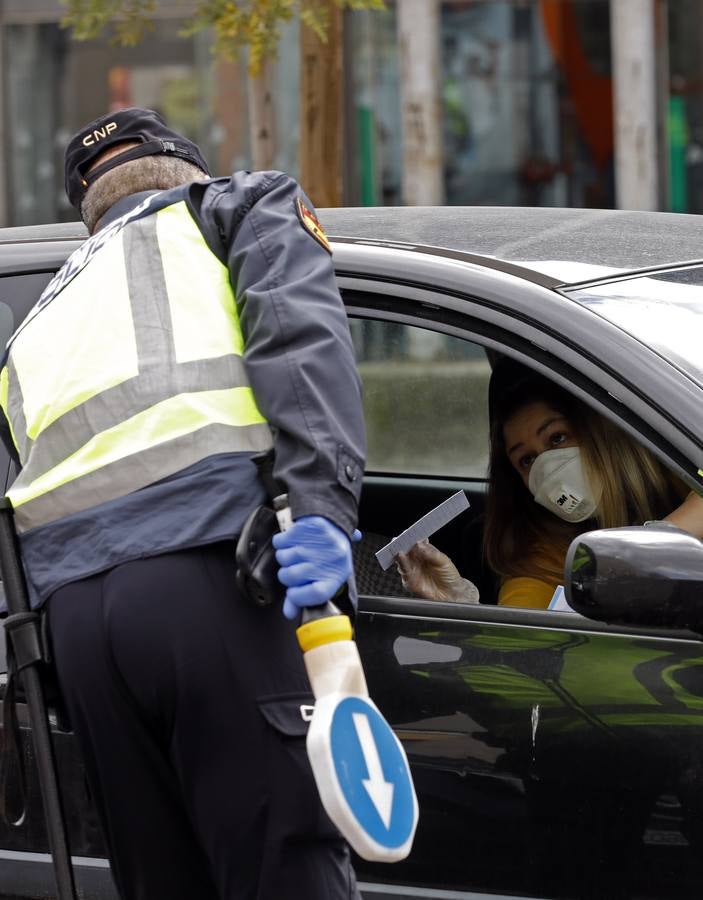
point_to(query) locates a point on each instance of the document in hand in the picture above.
(434, 520)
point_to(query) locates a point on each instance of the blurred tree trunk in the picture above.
(321, 108)
(261, 116)
(420, 81)
(633, 43)
(256, 25)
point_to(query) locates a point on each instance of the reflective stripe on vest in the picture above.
(141, 350)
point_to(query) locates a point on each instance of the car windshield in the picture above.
(664, 311)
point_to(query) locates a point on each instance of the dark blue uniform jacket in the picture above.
(300, 361)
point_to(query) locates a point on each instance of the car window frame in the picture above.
(414, 305)
(509, 335)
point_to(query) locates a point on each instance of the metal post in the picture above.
(4, 143)
(635, 105)
(661, 33)
(420, 84)
(18, 604)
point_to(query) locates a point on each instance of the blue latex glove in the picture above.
(315, 560)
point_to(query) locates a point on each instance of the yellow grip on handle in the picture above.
(323, 631)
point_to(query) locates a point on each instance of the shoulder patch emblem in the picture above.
(309, 221)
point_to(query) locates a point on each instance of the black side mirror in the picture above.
(638, 575)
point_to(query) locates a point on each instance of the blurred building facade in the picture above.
(525, 88)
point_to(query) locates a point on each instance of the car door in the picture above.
(553, 756)
(25, 866)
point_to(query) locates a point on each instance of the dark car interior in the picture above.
(389, 506)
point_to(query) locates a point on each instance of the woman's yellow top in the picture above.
(534, 592)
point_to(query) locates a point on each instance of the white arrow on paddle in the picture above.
(379, 790)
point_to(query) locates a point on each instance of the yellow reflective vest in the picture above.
(133, 350)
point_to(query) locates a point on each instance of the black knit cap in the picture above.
(143, 126)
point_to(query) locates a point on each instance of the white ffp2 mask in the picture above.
(558, 483)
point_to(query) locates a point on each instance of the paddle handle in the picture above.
(335, 668)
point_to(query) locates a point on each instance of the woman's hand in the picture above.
(427, 572)
(689, 515)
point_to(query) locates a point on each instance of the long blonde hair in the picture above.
(519, 533)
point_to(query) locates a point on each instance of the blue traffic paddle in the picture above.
(360, 766)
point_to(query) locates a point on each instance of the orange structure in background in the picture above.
(590, 93)
(119, 88)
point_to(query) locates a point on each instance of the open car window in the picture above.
(426, 409)
(18, 294)
(425, 400)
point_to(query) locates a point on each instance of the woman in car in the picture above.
(557, 469)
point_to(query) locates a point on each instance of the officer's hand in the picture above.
(315, 560)
(427, 572)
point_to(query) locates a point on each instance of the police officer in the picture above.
(200, 324)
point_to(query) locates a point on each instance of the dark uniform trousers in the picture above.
(186, 701)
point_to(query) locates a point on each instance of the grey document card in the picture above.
(434, 520)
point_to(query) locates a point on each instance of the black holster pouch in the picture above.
(257, 569)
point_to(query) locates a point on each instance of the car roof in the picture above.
(57, 231)
(567, 245)
(559, 246)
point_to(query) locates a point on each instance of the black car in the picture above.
(554, 755)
